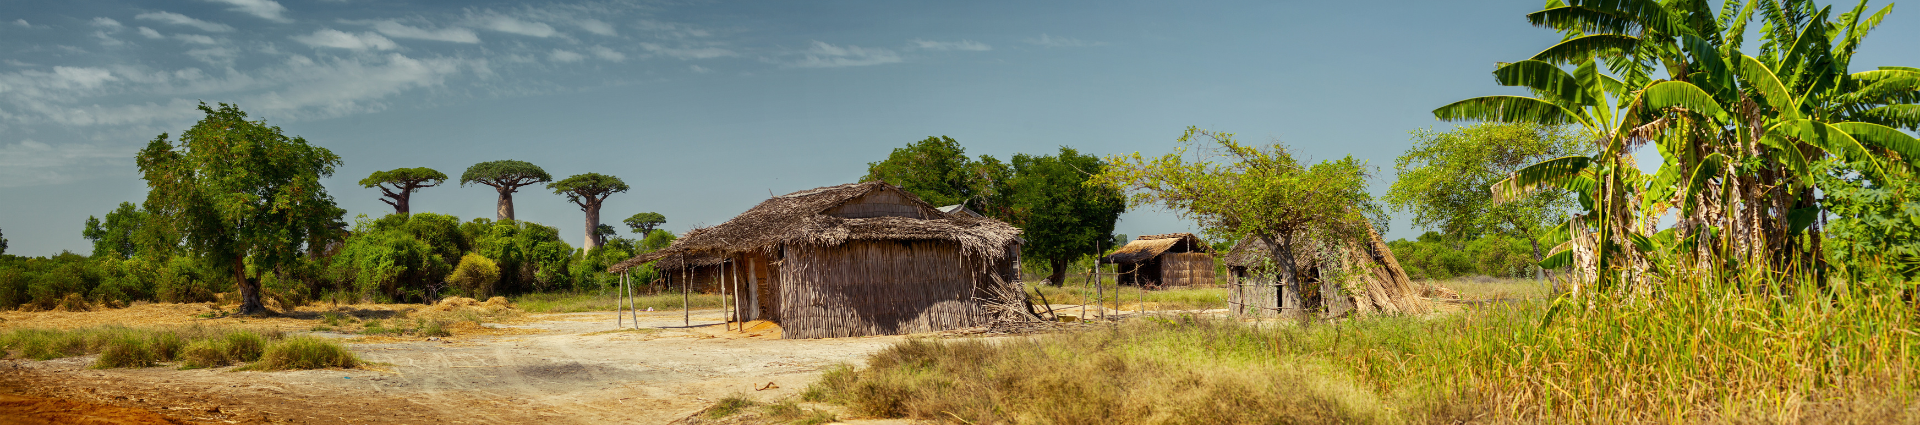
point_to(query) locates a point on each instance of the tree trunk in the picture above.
(400, 205)
(593, 225)
(249, 293)
(504, 211)
(1289, 282)
(1535, 240)
(1059, 275)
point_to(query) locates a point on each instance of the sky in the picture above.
(707, 108)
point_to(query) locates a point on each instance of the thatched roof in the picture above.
(800, 218)
(1147, 247)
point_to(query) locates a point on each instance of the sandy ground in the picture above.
(541, 368)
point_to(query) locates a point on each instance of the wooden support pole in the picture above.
(1099, 289)
(633, 304)
(619, 305)
(686, 293)
(726, 307)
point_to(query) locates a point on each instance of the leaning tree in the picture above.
(506, 176)
(589, 191)
(397, 185)
(246, 196)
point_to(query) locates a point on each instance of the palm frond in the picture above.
(1668, 94)
(1885, 138)
(1544, 78)
(1511, 109)
(1761, 78)
(1898, 116)
(1587, 47)
(1552, 172)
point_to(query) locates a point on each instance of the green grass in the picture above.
(1491, 288)
(1168, 299)
(1685, 351)
(729, 406)
(190, 347)
(306, 352)
(575, 303)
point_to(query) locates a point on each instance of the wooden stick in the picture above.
(686, 293)
(619, 304)
(633, 304)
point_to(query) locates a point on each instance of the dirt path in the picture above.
(549, 369)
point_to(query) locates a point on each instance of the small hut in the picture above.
(1337, 278)
(1172, 259)
(701, 273)
(857, 259)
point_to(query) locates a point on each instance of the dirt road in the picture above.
(549, 369)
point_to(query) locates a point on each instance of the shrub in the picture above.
(306, 352)
(124, 350)
(167, 345)
(476, 275)
(204, 353)
(244, 346)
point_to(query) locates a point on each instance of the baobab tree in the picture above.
(589, 191)
(644, 223)
(506, 176)
(397, 185)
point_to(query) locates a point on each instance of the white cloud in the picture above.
(108, 23)
(150, 33)
(608, 54)
(345, 40)
(398, 30)
(673, 30)
(596, 26)
(30, 162)
(699, 69)
(687, 52)
(511, 25)
(967, 45)
(22, 23)
(564, 56)
(265, 9)
(823, 55)
(195, 38)
(179, 19)
(107, 40)
(1051, 41)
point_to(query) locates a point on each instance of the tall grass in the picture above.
(1129, 297)
(1689, 350)
(190, 347)
(575, 303)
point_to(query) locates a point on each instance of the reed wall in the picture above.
(877, 288)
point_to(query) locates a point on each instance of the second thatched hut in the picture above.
(857, 259)
(1171, 259)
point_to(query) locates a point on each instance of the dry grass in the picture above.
(190, 347)
(1128, 297)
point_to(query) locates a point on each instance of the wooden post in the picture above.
(686, 293)
(619, 304)
(726, 309)
(633, 304)
(1142, 287)
(1099, 289)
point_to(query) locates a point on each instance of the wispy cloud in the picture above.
(150, 33)
(967, 45)
(193, 38)
(452, 34)
(105, 22)
(346, 40)
(687, 52)
(179, 19)
(823, 55)
(699, 69)
(22, 23)
(265, 9)
(673, 30)
(566, 56)
(1050, 41)
(607, 54)
(596, 26)
(30, 163)
(512, 25)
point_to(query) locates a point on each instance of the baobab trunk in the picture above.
(400, 205)
(504, 211)
(249, 294)
(593, 224)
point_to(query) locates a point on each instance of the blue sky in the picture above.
(707, 107)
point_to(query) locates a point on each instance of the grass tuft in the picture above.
(729, 406)
(204, 353)
(306, 352)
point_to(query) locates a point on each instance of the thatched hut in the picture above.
(856, 259)
(1172, 259)
(702, 273)
(1338, 278)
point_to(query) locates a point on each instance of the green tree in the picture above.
(656, 240)
(589, 191)
(397, 185)
(246, 195)
(1262, 192)
(1444, 176)
(938, 171)
(3, 245)
(506, 177)
(116, 237)
(644, 223)
(1062, 217)
(476, 275)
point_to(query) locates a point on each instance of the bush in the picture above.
(244, 346)
(476, 275)
(167, 345)
(125, 350)
(306, 352)
(204, 353)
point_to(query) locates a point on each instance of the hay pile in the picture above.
(492, 305)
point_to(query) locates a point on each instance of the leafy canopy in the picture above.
(644, 223)
(506, 175)
(938, 171)
(241, 189)
(408, 178)
(588, 189)
(1063, 217)
(116, 236)
(1443, 178)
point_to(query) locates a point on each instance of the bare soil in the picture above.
(538, 368)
